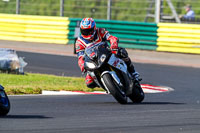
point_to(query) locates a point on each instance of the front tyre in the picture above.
(4, 103)
(114, 89)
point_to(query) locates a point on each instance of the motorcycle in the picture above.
(4, 102)
(110, 73)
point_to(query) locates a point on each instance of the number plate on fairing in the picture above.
(118, 63)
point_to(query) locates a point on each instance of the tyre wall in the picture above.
(184, 38)
(31, 28)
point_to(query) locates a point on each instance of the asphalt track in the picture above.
(171, 112)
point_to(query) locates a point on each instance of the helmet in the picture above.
(88, 28)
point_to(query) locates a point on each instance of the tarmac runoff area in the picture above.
(138, 56)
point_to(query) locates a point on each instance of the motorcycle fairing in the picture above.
(3, 100)
(117, 63)
(115, 77)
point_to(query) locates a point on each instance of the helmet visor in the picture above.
(87, 32)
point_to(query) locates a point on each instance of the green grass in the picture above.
(35, 83)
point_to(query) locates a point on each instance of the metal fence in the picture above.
(126, 10)
(129, 10)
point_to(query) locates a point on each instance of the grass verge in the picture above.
(35, 83)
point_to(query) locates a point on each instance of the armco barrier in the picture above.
(184, 38)
(171, 37)
(130, 34)
(34, 28)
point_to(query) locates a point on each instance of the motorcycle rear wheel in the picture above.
(4, 103)
(137, 95)
(114, 89)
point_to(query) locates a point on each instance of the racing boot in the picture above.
(136, 76)
(133, 73)
(123, 54)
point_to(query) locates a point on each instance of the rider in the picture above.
(90, 34)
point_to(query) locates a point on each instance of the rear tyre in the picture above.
(114, 89)
(4, 103)
(137, 95)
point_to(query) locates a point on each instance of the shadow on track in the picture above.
(156, 103)
(25, 117)
(143, 103)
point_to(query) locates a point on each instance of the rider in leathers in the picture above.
(90, 34)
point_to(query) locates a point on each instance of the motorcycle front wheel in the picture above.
(114, 89)
(4, 103)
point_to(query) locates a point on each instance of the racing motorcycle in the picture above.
(4, 102)
(110, 73)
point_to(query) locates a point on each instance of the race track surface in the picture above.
(171, 112)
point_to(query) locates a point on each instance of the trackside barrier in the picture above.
(31, 28)
(131, 34)
(170, 37)
(184, 38)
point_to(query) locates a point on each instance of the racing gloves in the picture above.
(113, 42)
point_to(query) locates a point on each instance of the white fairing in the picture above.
(115, 77)
(117, 63)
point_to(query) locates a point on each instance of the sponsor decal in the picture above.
(92, 54)
(115, 63)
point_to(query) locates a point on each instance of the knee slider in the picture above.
(92, 85)
(122, 53)
(90, 81)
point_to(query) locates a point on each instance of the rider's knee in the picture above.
(122, 53)
(90, 81)
(91, 85)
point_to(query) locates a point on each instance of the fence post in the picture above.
(17, 6)
(173, 11)
(61, 8)
(109, 10)
(157, 11)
